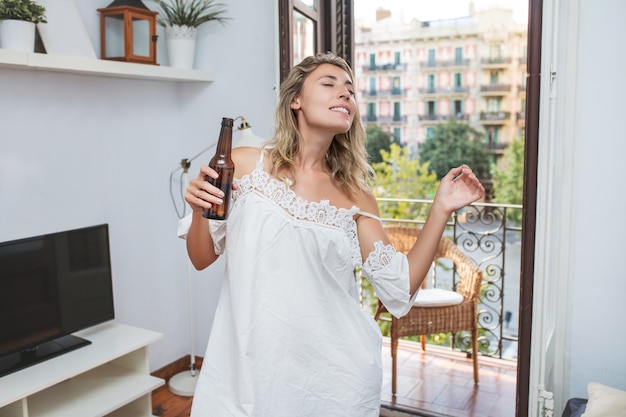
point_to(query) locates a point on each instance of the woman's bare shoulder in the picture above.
(366, 201)
(245, 159)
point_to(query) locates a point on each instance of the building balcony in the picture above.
(439, 382)
(391, 119)
(442, 117)
(496, 62)
(460, 116)
(497, 89)
(443, 90)
(494, 117)
(394, 92)
(431, 117)
(445, 63)
(385, 67)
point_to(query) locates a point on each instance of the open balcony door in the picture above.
(555, 189)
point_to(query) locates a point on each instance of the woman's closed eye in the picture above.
(351, 91)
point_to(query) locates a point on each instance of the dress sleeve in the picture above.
(388, 272)
(217, 228)
(218, 234)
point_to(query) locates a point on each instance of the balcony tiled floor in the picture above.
(440, 382)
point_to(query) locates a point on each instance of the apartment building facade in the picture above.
(413, 76)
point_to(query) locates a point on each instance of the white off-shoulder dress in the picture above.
(289, 338)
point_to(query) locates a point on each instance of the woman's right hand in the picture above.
(201, 194)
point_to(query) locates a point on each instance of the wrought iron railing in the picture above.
(490, 234)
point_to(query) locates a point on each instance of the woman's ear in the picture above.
(295, 103)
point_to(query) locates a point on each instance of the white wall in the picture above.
(598, 336)
(81, 150)
(580, 280)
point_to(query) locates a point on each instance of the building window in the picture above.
(431, 109)
(395, 86)
(494, 76)
(458, 80)
(430, 132)
(431, 57)
(371, 112)
(493, 105)
(458, 109)
(396, 135)
(495, 52)
(372, 61)
(492, 136)
(397, 113)
(458, 55)
(372, 86)
(431, 83)
(396, 58)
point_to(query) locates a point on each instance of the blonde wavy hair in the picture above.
(347, 156)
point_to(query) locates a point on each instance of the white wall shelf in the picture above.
(99, 67)
(108, 377)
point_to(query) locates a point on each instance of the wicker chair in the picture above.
(421, 321)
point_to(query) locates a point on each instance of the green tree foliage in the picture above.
(398, 176)
(508, 182)
(377, 140)
(454, 144)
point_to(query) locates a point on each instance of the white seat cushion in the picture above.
(436, 297)
(604, 401)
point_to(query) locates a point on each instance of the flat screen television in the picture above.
(51, 286)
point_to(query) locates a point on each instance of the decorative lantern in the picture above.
(128, 32)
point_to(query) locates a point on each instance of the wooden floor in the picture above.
(440, 382)
(435, 383)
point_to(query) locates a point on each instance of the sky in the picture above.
(435, 9)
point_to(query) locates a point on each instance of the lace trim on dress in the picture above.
(322, 212)
(379, 258)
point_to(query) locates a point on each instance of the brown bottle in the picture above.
(223, 164)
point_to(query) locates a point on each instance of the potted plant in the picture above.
(18, 20)
(181, 18)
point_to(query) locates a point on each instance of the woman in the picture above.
(289, 338)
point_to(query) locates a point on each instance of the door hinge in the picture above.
(546, 403)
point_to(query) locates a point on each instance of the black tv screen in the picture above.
(51, 286)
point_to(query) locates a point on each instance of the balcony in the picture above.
(499, 62)
(439, 381)
(385, 67)
(394, 92)
(495, 89)
(446, 63)
(435, 118)
(431, 118)
(391, 119)
(494, 117)
(443, 90)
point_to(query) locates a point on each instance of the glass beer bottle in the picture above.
(225, 168)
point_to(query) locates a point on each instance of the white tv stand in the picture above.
(108, 377)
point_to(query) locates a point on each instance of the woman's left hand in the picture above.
(458, 188)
